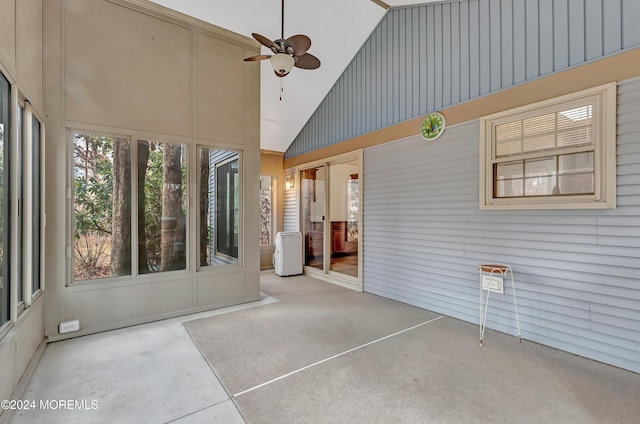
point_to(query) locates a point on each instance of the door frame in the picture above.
(354, 283)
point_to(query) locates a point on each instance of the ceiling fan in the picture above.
(287, 53)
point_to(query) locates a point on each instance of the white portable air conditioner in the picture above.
(287, 258)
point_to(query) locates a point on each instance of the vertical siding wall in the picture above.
(577, 273)
(429, 57)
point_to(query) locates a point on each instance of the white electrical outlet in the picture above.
(69, 326)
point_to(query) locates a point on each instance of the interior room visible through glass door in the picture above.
(343, 217)
(313, 212)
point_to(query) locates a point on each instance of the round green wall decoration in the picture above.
(432, 126)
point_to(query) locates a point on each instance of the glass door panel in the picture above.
(343, 214)
(313, 215)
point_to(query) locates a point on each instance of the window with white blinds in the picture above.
(557, 153)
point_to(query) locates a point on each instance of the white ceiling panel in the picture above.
(337, 28)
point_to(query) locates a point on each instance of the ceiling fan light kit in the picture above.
(282, 63)
(287, 53)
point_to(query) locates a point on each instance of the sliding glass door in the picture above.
(343, 217)
(330, 217)
(312, 206)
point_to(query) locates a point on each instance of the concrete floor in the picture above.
(432, 372)
(151, 373)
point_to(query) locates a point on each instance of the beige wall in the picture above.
(271, 164)
(125, 69)
(21, 62)
(135, 69)
(8, 33)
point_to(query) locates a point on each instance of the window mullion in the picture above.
(544, 154)
(135, 270)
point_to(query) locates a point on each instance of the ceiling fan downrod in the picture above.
(282, 22)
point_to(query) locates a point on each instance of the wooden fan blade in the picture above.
(300, 44)
(256, 58)
(307, 61)
(265, 42)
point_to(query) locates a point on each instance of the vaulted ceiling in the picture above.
(337, 28)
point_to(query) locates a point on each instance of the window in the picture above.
(5, 101)
(558, 153)
(227, 208)
(36, 235)
(219, 204)
(102, 202)
(162, 194)
(134, 193)
(20, 201)
(266, 221)
(103, 207)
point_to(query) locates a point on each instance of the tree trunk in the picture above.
(204, 207)
(172, 250)
(121, 220)
(143, 159)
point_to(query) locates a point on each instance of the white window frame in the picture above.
(23, 208)
(604, 99)
(134, 138)
(35, 253)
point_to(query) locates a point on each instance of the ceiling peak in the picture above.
(382, 4)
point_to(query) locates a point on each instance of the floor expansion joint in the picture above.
(335, 356)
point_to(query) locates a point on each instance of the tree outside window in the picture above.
(102, 207)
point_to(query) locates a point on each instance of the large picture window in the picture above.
(554, 154)
(103, 207)
(127, 193)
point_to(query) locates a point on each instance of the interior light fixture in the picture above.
(282, 63)
(289, 183)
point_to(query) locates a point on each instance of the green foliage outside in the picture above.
(93, 206)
